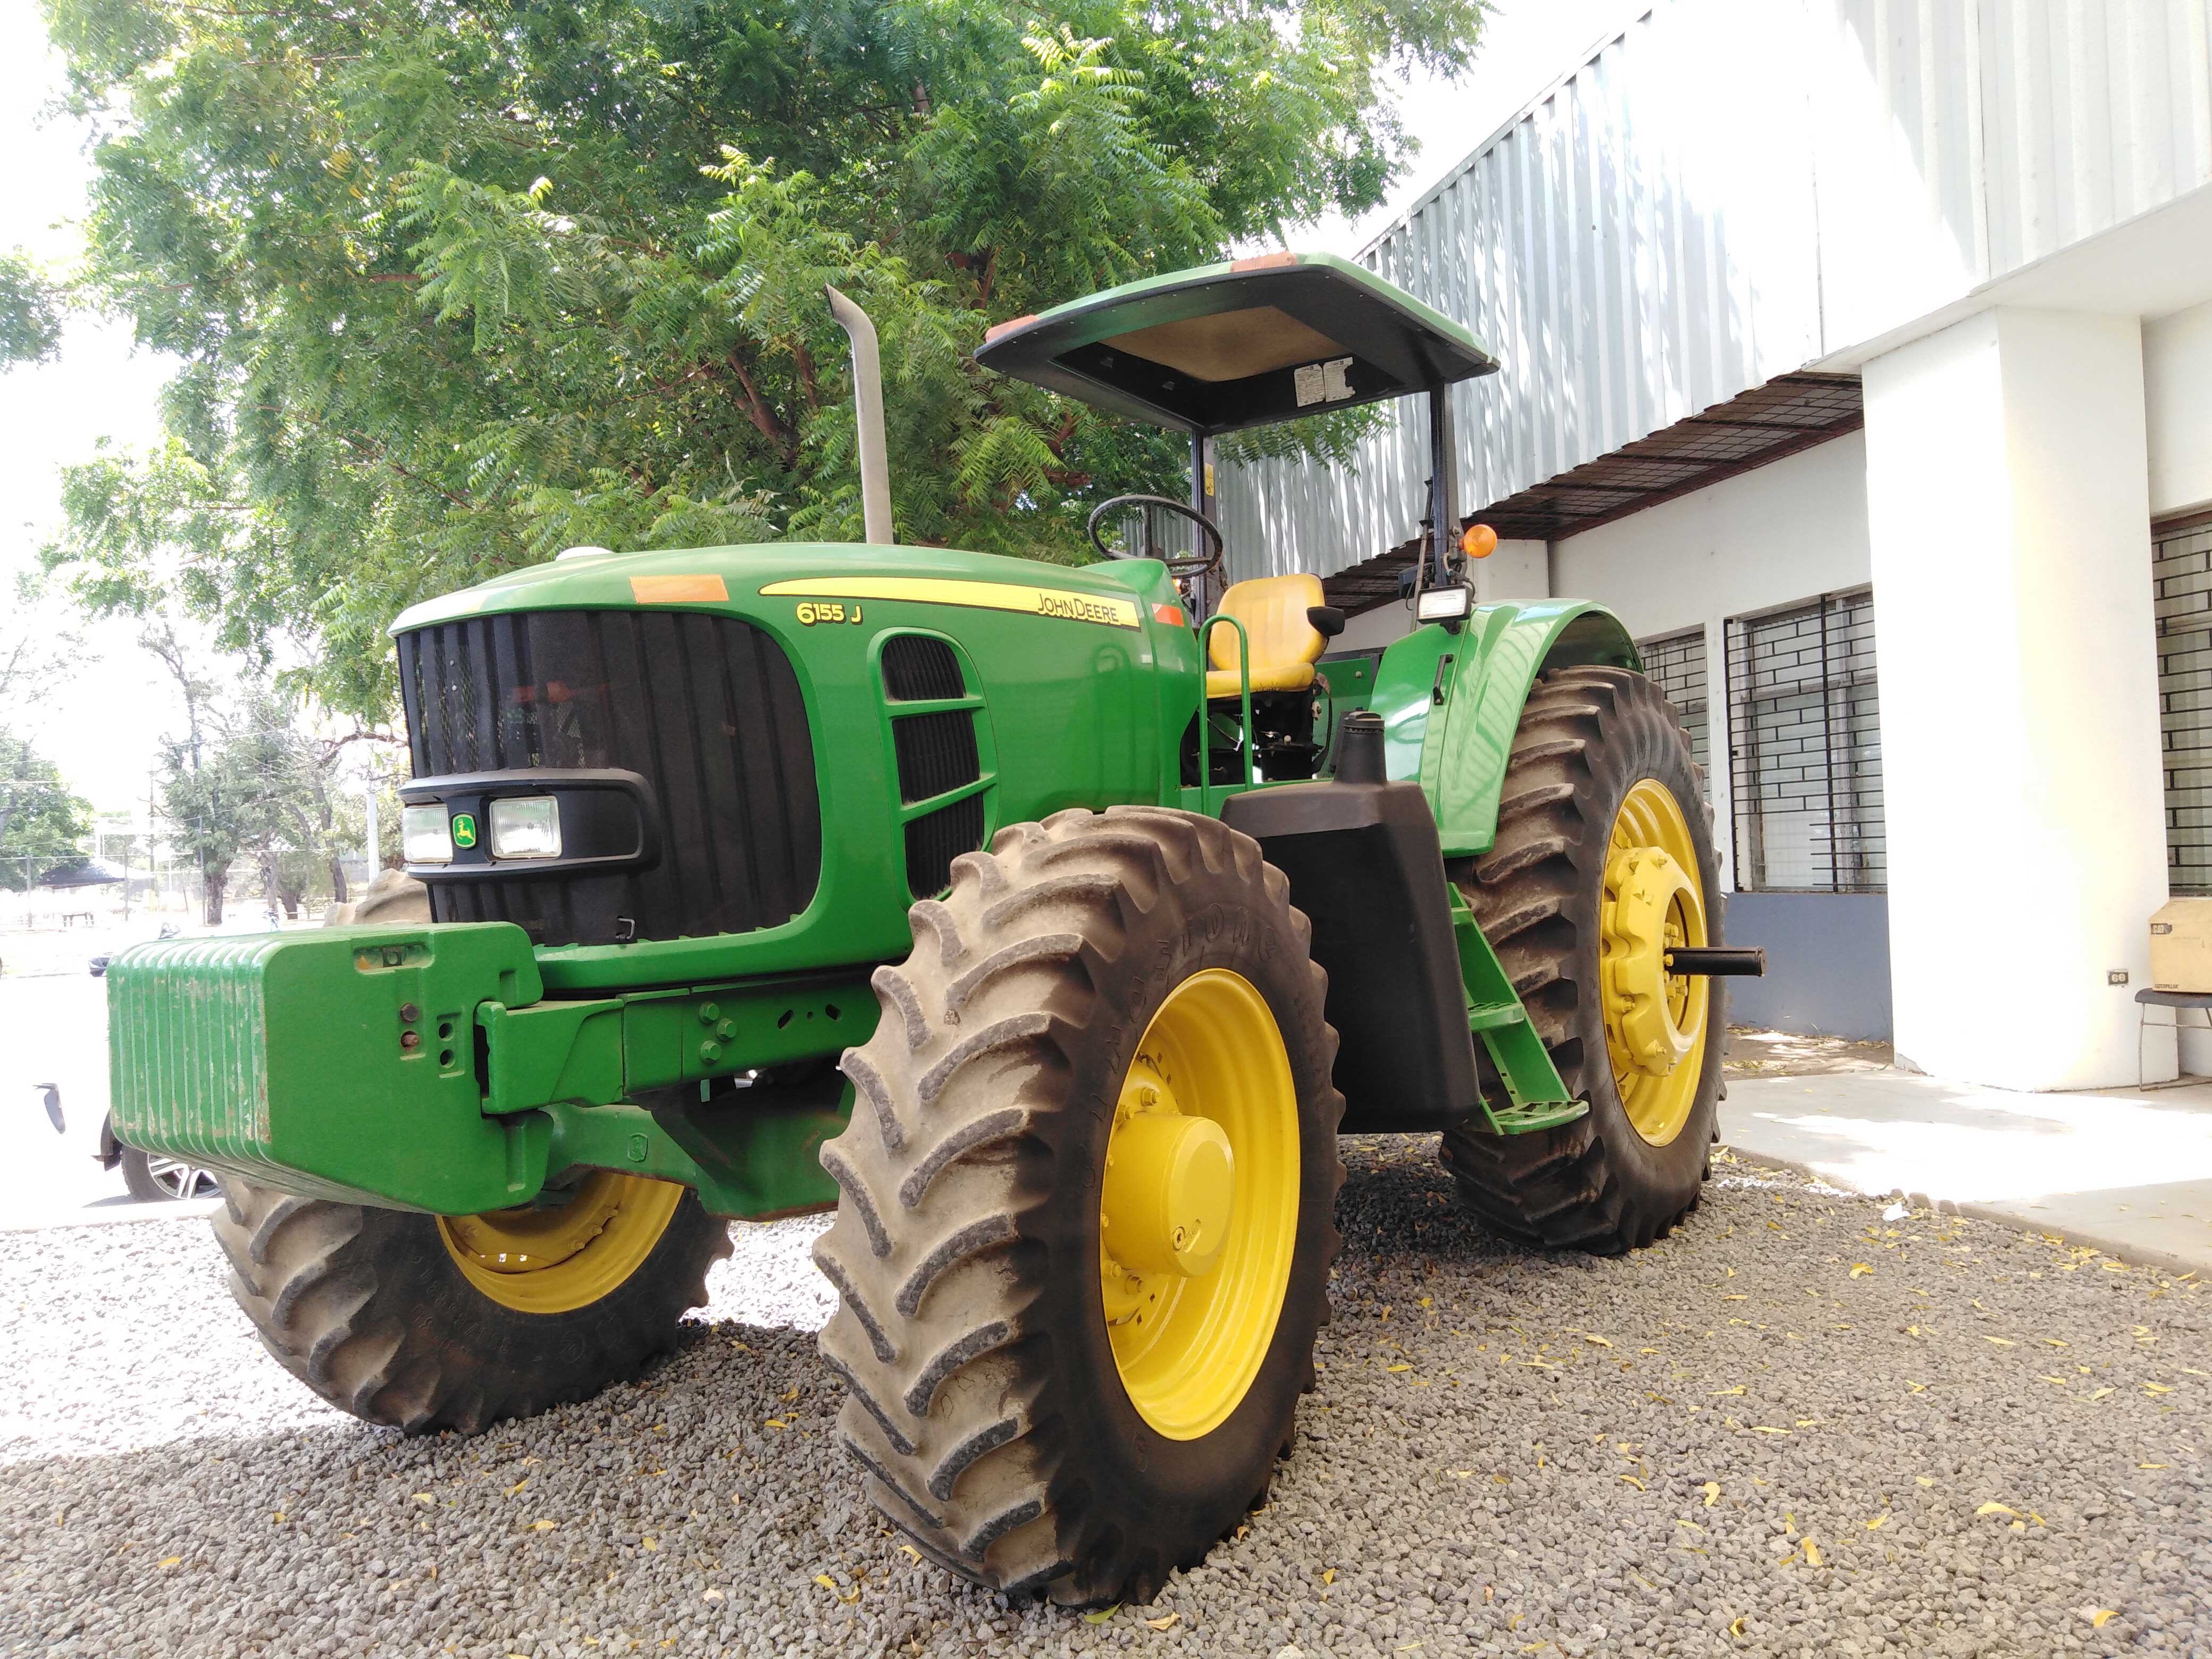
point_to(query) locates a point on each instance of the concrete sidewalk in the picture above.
(2128, 1171)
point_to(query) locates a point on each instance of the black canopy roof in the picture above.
(1243, 343)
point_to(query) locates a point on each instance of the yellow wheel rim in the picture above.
(1198, 1213)
(1655, 1021)
(547, 1261)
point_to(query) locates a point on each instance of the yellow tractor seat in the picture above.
(1283, 642)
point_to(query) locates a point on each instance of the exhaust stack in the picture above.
(868, 401)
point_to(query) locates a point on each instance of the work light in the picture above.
(1442, 605)
(425, 837)
(526, 827)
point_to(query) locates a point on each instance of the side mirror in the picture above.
(1328, 621)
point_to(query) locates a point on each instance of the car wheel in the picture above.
(152, 1179)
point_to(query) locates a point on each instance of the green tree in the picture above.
(30, 311)
(41, 823)
(456, 284)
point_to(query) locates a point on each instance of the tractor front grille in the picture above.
(705, 708)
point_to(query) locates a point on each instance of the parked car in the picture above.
(149, 1177)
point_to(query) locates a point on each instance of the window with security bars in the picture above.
(1677, 664)
(2181, 586)
(1805, 738)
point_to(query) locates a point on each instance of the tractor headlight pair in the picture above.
(522, 827)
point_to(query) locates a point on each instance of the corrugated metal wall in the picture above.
(1731, 189)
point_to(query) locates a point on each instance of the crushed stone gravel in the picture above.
(1792, 1426)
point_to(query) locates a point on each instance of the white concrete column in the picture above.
(1719, 775)
(1514, 570)
(2008, 514)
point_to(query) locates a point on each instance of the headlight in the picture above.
(1442, 605)
(526, 827)
(425, 835)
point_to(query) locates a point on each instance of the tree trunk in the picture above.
(213, 879)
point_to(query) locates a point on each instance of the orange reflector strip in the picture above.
(1263, 262)
(998, 329)
(1478, 542)
(1169, 613)
(677, 590)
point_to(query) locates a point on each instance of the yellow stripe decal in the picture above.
(985, 596)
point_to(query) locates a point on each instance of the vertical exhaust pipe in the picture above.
(868, 409)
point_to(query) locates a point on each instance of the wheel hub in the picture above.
(1170, 1187)
(549, 1260)
(1646, 894)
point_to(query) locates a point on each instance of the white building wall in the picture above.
(1731, 189)
(2177, 397)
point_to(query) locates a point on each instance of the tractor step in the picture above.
(1499, 1021)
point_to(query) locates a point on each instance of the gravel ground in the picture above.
(1793, 1425)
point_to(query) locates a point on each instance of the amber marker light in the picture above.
(1478, 541)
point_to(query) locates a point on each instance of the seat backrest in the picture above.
(1273, 611)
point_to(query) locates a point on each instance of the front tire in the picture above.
(1057, 1384)
(1573, 900)
(397, 1318)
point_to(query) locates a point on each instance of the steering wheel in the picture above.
(1180, 565)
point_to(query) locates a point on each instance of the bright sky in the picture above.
(102, 727)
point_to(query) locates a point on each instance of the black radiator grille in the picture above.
(917, 668)
(934, 840)
(705, 708)
(936, 753)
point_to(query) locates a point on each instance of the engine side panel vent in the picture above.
(918, 669)
(936, 754)
(934, 840)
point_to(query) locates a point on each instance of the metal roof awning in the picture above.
(1789, 413)
(1242, 343)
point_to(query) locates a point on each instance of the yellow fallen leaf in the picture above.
(910, 1550)
(2153, 1466)
(1717, 1393)
(541, 1526)
(1100, 1615)
(775, 1422)
(1712, 1493)
(2060, 1381)
(518, 1485)
(1860, 1270)
(1812, 1553)
(2055, 1343)
(1735, 1299)
(1736, 1628)
(654, 1544)
(791, 1394)
(168, 1561)
(1599, 1340)
(1923, 1480)
(1996, 1509)
(1634, 1482)
(825, 1581)
(1875, 1525)
(1400, 1366)
(2101, 1394)
(1175, 1619)
(1692, 1525)
(2102, 1617)
(2156, 1388)
(1761, 1428)
(1329, 1577)
(2002, 1341)
(424, 1498)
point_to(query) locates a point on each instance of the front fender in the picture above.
(1463, 713)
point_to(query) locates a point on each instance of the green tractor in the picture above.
(1049, 923)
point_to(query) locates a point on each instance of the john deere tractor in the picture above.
(1049, 923)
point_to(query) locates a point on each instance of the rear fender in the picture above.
(1451, 702)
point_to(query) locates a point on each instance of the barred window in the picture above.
(1676, 663)
(2181, 579)
(1805, 739)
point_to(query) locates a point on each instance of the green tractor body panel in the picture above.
(757, 759)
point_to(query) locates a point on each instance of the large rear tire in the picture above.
(1059, 1381)
(1577, 907)
(422, 1322)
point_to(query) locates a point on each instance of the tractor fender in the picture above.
(1451, 702)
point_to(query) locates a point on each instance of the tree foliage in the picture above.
(455, 285)
(30, 311)
(41, 823)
